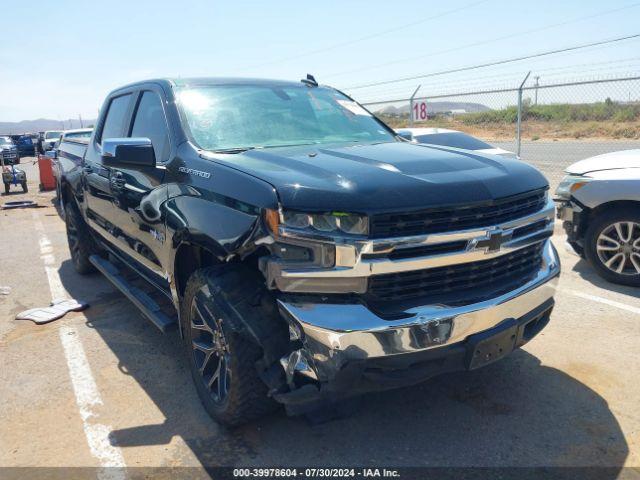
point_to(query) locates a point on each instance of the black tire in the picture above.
(604, 224)
(7, 187)
(81, 243)
(241, 397)
(25, 189)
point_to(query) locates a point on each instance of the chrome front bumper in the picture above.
(335, 334)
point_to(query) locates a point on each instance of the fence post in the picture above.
(411, 105)
(518, 132)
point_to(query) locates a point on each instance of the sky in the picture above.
(60, 59)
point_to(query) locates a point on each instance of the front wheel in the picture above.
(25, 189)
(613, 246)
(7, 187)
(222, 362)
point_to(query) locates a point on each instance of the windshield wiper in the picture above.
(233, 150)
(290, 145)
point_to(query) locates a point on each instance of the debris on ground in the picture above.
(19, 204)
(5, 290)
(57, 309)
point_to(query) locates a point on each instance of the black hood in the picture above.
(385, 177)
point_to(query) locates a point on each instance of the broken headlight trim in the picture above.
(571, 184)
(332, 222)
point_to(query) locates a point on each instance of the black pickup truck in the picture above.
(304, 251)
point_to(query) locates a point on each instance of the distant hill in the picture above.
(437, 107)
(42, 124)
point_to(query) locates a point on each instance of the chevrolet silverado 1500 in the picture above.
(304, 251)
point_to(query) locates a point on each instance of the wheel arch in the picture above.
(592, 213)
(190, 256)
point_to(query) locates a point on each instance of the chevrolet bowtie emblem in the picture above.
(494, 241)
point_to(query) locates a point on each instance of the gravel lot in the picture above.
(569, 398)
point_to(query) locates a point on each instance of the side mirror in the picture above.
(128, 152)
(405, 135)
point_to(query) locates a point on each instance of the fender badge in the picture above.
(191, 171)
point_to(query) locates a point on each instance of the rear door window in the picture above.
(116, 116)
(150, 122)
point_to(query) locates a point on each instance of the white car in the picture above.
(451, 138)
(599, 205)
(49, 139)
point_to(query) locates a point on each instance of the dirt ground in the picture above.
(589, 131)
(105, 384)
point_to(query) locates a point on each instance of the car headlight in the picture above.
(571, 184)
(332, 222)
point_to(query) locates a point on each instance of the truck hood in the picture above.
(607, 161)
(384, 177)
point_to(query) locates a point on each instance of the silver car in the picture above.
(599, 204)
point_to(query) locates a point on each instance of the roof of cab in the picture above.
(211, 81)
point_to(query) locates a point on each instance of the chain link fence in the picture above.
(561, 123)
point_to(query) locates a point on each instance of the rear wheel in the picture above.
(613, 246)
(81, 243)
(222, 362)
(25, 189)
(7, 186)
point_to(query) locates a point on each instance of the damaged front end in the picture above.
(372, 314)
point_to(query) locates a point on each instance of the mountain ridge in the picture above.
(42, 124)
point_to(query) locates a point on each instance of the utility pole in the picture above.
(519, 124)
(411, 105)
(535, 101)
(80, 118)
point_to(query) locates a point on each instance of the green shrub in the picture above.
(561, 112)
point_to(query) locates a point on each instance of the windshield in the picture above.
(453, 139)
(50, 135)
(5, 141)
(253, 116)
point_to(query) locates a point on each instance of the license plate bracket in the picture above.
(488, 347)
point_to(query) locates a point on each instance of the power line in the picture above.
(499, 62)
(368, 37)
(484, 42)
(506, 77)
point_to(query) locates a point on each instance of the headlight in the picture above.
(571, 184)
(332, 222)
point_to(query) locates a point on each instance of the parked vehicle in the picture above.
(68, 152)
(81, 134)
(9, 151)
(599, 205)
(452, 138)
(305, 252)
(25, 145)
(8, 159)
(49, 138)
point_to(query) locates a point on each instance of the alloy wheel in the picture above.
(210, 349)
(618, 248)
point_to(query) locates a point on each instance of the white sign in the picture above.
(419, 111)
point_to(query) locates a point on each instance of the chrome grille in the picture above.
(456, 218)
(462, 283)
